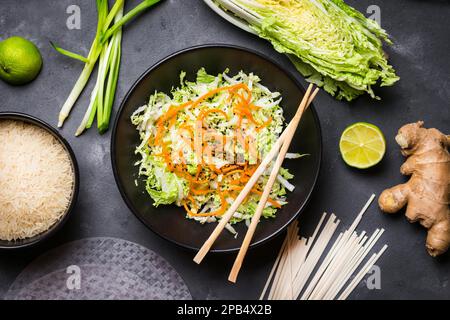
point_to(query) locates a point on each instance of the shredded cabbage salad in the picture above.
(200, 145)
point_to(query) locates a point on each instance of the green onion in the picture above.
(69, 53)
(111, 84)
(130, 15)
(102, 9)
(79, 85)
(106, 49)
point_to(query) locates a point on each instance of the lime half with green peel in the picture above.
(362, 145)
(20, 61)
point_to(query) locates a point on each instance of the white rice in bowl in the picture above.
(36, 180)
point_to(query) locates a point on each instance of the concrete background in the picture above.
(421, 33)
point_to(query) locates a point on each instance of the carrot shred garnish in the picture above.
(240, 97)
(229, 168)
(271, 201)
(218, 212)
(204, 113)
(233, 172)
(265, 124)
(202, 192)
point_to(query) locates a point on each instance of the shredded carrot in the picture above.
(218, 212)
(253, 107)
(202, 192)
(223, 206)
(217, 90)
(235, 182)
(233, 172)
(213, 168)
(189, 130)
(265, 124)
(272, 202)
(248, 115)
(229, 168)
(240, 97)
(192, 214)
(200, 181)
(204, 113)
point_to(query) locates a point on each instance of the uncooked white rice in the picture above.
(36, 180)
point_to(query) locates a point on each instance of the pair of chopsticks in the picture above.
(279, 150)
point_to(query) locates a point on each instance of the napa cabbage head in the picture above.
(330, 43)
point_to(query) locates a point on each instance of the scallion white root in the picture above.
(76, 91)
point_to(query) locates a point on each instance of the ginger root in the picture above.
(427, 193)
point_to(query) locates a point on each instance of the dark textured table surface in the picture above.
(421, 32)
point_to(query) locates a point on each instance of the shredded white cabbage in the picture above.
(166, 185)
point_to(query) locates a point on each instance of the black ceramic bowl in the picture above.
(169, 221)
(5, 245)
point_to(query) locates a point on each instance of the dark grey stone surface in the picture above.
(421, 32)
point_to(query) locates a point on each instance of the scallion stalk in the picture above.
(130, 15)
(102, 9)
(68, 53)
(106, 48)
(111, 84)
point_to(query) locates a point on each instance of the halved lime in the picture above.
(362, 145)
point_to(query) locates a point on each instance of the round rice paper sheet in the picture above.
(99, 268)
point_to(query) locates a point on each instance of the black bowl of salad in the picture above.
(192, 130)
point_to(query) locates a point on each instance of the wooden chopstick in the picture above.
(243, 194)
(267, 189)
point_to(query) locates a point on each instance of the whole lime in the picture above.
(20, 61)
